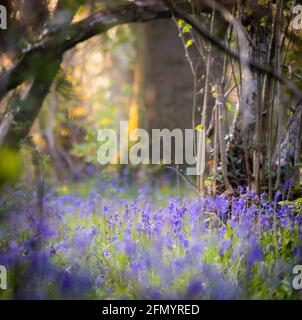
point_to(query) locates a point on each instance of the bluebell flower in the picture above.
(287, 184)
(194, 290)
(255, 253)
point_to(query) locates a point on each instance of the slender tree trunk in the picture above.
(222, 134)
(202, 134)
(167, 78)
(278, 90)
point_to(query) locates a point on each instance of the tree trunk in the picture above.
(167, 78)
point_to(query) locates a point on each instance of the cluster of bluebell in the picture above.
(215, 247)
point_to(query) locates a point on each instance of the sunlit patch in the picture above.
(77, 112)
(52, 5)
(105, 121)
(39, 140)
(64, 132)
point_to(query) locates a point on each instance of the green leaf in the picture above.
(199, 127)
(263, 2)
(187, 28)
(229, 106)
(189, 43)
(263, 21)
(180, 23)
(208, 140)
(214, 93)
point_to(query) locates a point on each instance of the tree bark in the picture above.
(167, 78)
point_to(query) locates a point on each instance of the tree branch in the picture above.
(266, 69)
(54, 43)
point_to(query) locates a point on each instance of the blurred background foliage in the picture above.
(155, 75)
(93, 90)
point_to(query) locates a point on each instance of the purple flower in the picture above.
(107, 253)
(168, 242)
(184, 241)
(100, 280)
(225, 245)
(298, 219)
(287, 184)
(194, 289)
(278, 197)
(255, 253)
(106, 209)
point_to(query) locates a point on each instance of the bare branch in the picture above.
(267, 69)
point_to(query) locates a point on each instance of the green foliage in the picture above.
(86, 149)
(64, 86)
(189, 43)
(263, 2)
(297, 204)
(199, 127)
(184, 26)
(229, 106)
(10, 165)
